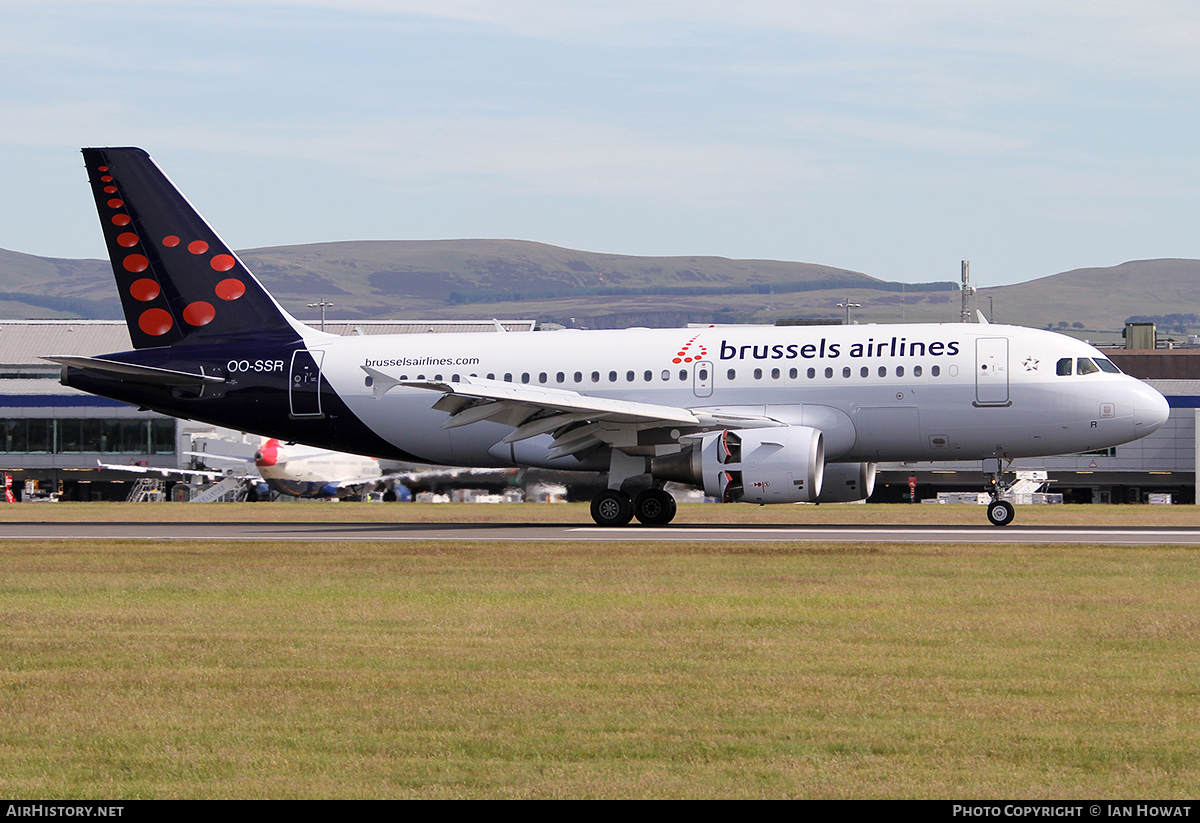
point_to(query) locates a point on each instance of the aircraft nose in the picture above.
(1150, 410)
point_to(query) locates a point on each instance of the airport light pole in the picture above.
(322, 306)
(848, 306)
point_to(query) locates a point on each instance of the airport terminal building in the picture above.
(56, 435)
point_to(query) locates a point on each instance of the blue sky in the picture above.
(891, 138)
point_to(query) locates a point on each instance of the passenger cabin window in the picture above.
(758, 374)
(916, 371)
(666, 375)
(730, 374)
(1084, 365)
(1063, 369)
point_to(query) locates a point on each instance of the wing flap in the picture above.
(560, 400)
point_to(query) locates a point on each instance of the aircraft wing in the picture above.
(162, 470)
(578, 421)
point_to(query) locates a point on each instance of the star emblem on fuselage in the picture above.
(1031, 364)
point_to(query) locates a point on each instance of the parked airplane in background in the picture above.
(291, 469)
(752, 414)
(305, 471)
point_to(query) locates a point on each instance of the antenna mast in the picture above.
(967, 291)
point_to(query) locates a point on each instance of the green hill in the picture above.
(449, 279)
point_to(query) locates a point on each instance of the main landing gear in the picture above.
(1000, 512)
(652, 507)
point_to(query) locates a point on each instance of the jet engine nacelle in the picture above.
(847, 482)
(776, 465)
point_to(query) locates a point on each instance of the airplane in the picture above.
(749, 414)
(314, 473)
(311, 472)
(291, 469)
(305, 471)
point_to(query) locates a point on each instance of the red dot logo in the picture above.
(684, 357)
(101, 168)
(222, 262)
(121, 220)
(144, 289)
(197, 247)
(136, 263)
(155, 322)
(230, 289)
(115, 203)
(106, 179)
(199, 313)
(170, 241)
(110, 189)
(127, 239)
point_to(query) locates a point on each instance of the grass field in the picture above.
(597, 670)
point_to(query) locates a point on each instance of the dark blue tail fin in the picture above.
(178, 280)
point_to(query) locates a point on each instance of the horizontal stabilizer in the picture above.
(140, 374)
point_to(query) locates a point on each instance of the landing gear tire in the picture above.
(612, 508)
(1001, 512)
(654, 507)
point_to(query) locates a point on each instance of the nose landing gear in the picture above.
(1000, 512)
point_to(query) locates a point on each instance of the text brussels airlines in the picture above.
(895, 347)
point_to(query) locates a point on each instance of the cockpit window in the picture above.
(1107, 366)
(1086, 366)
(1064, 367)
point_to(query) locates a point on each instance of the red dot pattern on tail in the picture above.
(157, 321)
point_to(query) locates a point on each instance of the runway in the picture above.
(491, 532)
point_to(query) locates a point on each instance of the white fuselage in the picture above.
(877, 392)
